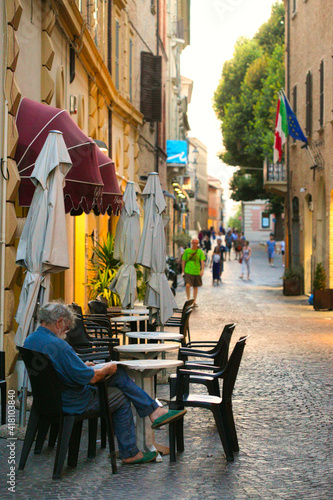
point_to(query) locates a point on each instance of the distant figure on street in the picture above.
(216, 265)
(193, 265)
(283, 250)
(206, 246)
(222, 252)
(246, 260)
(228, 242)
(271, 244)
(200, 236)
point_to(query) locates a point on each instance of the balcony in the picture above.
(275, 178)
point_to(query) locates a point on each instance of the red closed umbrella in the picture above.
(112, 197)
(84, 183)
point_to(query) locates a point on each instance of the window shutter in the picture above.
(321, 97)
(308, 104)
(151, 78)
(157, 89)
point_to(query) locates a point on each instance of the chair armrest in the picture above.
(183, 372)
(201, 343)
(198, 366)
(193, 352)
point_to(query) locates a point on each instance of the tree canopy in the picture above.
(245, 103)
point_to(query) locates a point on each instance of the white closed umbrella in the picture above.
(126, 248)
(152, 251)
(43, 246)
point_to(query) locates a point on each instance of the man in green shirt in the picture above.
(193, 264)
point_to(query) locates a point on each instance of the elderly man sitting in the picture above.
(56, 319)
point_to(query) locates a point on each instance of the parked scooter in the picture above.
(171, 273)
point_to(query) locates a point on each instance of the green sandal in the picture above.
(171, 416)
(148, 456)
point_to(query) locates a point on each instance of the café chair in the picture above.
(3, 387)
(213, 359)
(47, 409)
(221, 407)
(179, 317)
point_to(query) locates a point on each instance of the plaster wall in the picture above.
(311, 41)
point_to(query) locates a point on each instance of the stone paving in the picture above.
(282, 406)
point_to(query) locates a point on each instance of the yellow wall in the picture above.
(79, 260)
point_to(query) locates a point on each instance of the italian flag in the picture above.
(281, 129)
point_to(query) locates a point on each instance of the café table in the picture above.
(157, 336)
(144, 371)
(139, 310)
(145, 351)
(131, 319)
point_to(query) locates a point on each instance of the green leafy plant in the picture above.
(319, 282)
(293, 273)
(182, 239)
(103, 269)
(141, 283)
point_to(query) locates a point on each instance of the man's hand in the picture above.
(100, 373)
(89, 363)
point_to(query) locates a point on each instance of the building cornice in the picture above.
(72, 22)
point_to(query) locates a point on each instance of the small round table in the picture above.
(143, 371)
(154, 335)
(145, 351)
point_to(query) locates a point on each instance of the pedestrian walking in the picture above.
(216, 265)
(271, 244)
(283, 251)
(238, 246)
(222, 252)
(246, 260)
(228, 242)
(206, 246)
(193, 265)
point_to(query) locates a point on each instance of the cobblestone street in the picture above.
(282, 406)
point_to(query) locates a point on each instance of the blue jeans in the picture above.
(122, 391)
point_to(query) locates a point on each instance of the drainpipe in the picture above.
(4, 176)
(157, 53)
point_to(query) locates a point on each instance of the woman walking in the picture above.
(246, 260)
(216, 265)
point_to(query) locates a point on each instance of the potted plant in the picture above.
(293, 280)
(322, 296)
(102, 271)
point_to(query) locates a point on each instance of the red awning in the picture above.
(112, 197)
(84, 183)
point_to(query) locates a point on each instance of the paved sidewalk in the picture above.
(282, 406)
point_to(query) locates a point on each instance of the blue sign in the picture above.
(177, 152)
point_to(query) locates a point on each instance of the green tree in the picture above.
(245, 103)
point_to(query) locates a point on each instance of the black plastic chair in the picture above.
(221, 407)
(47, 409)
(97, 307)
(215, 358)
(84, 344)
(3, 387)
(179, 316)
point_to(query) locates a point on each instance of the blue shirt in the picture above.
(271, 246)
(69, 367)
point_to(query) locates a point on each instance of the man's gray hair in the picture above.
(53, 311)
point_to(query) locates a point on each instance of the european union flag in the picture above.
(293, 126)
